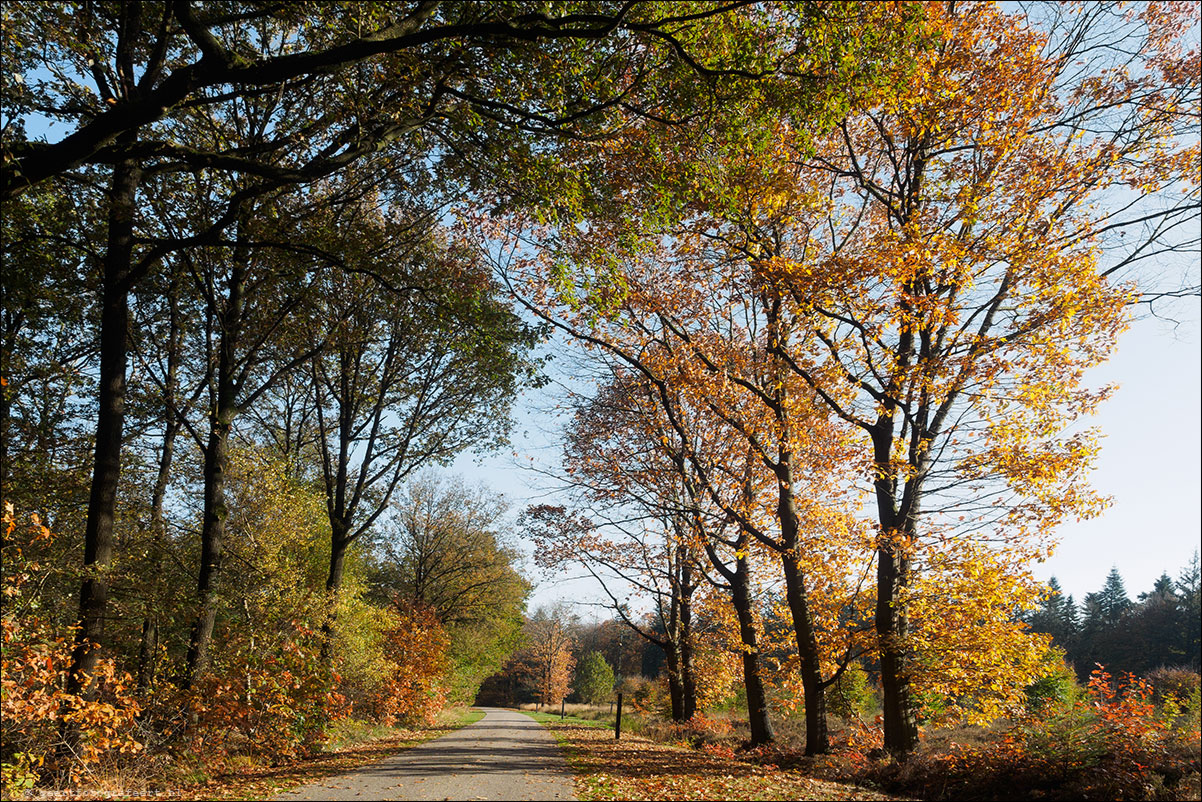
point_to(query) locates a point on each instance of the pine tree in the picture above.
(1057, 617)
(1112, 600)
(1188, 586)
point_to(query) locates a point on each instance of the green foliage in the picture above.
(851, 695)
(1057, 687)
(445, 547)
(594, 679)
(479, 650)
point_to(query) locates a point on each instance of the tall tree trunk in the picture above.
(817, 732)
(336, 496)
(892, 620)
(900, 722)
(675, 686)
(338, 546)
(150, 625)
(753, 680)
(212, 535)
(688, 671)
(110, 422)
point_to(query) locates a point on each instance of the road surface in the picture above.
(504, 755)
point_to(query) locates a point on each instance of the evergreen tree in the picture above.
(1057, 617)
(1188, 586)
(1112, 600)
(1164, 588)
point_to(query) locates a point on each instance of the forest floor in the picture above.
(637, 768)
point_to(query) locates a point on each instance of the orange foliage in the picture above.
(274, 701)
(1111, 744)
(34, 707)
(415, 689)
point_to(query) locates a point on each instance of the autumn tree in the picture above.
(944, 261)
(635, 538)
(947, 269)
(547, 653)
(443, 547)
(630, 446)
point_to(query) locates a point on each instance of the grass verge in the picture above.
(640, 769)
(553, 718)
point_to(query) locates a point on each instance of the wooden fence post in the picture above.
(618, 721)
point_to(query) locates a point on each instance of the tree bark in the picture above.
(813, 690)
(688, 673)
(753, 681)
(212, 545)
(675, 686)
(892, 621)
(900, 723)
(110, 422)
(338, 546)
(171, 425)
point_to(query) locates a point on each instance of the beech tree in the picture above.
(626, 454)
(935, 276)
(423, 364)
(635, 538)
(547, 653)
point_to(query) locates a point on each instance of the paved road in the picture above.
(504, 755)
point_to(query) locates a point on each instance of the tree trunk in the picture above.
(150, 627)
(147, 649)
(675, 686)
(110, 422)
(212, 545)
(753, 681)
(338, 547)
(688, 672)
(817, 732)
(212, 536)
(892, 624)
(900, 722)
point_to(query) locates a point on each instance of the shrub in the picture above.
(34, 705)
(274, 701)
(851, 695)
(1109, 744)
(1056, 687)
(644, 695)
(1175, 687)
(415, 688)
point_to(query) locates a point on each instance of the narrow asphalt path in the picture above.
(504, 755)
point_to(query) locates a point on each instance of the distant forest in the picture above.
(1159, 629)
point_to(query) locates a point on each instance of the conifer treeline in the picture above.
(1160, 628)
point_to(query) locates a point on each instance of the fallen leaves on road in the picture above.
(262, 782)
(636, 768)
